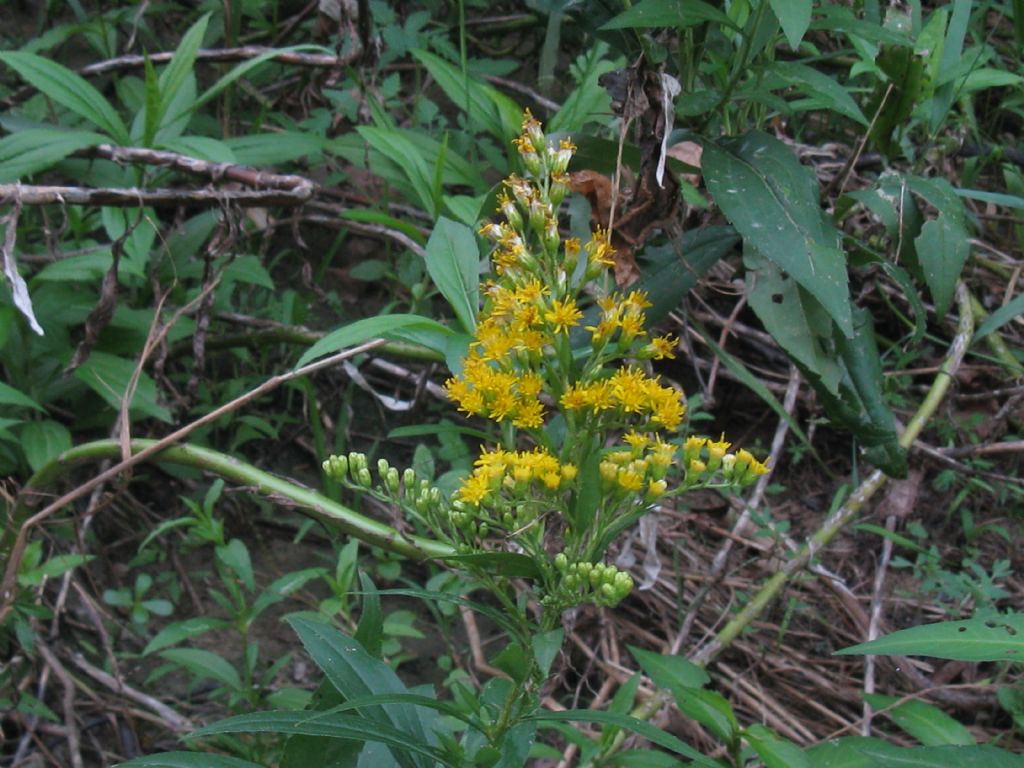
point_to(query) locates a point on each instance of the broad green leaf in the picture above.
(453, 261)
(824, 88)
(673, 672)
(843, 20)
(516, 749)
(205, 664)
(43, 441)
(926, 723)
(36, 149)
(384, 326)
(337, 726)
(668, 272)
(999, 638)
(662, 738)
(188, 760)
(15, 397)
(999, 318)
(391, 143)
(943, 248)
(355, 673)
(68, 89)
(546, 646)
(109, 377)
(774, 751)
(464, 208)
(668, 13)
(793, 318)
(772, 201)
(794, 16)
(180, 631)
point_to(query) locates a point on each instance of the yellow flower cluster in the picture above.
(628, 391)
(535, 471)
(702, 457)
(640, 469)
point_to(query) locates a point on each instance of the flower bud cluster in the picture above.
(585, 582)
(404, 488)
(704, 457)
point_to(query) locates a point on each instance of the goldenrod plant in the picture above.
(590, 438)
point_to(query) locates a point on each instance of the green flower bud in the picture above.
(391, 480)
(409, 478)
(561, 562)
(382, 468)
(364, 478)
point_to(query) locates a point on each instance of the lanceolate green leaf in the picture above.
(774, 751)
(205, 664)
(794, 16)
(68, 89)
(338, 726)
(943, 244)
(668, 13)
(453, 261)
(177, 72)
(110, 377)
(825, 90)
(384, 326)
(398, 149)
(36, 149)
(188, 760)
(926, 723)
(487, 107)
(1000, 317)
(772, 201)
(656, 735)
(981, 756)
(355, 674)
(1000, 638)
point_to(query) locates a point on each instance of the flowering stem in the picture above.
(329, 512)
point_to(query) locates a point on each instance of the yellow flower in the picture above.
(636, 440)
(530, 415)
(563, 315)
(661, 347)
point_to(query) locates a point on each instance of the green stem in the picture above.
(995, 341)
(328, 512)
